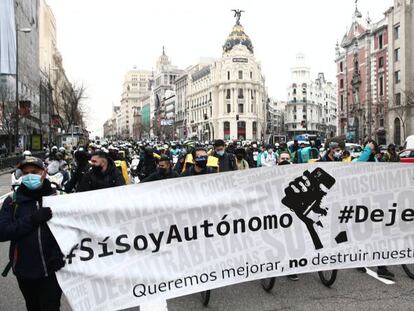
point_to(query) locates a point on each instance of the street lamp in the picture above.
(23, 30)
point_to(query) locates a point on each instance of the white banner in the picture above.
(135, 244)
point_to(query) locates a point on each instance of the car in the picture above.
(354, 149)
(407, 156)
(409, 142)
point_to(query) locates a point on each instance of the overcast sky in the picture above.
(102, 39)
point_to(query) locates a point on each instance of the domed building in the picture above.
(225, 98)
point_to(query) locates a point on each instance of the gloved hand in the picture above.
(55, 264)
(41, 216)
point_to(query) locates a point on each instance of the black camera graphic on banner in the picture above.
(304, 197)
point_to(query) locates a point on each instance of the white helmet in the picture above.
(62, 149)
(27, 153)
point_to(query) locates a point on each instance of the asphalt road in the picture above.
(353, 290)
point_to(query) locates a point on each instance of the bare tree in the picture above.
(72, 105)
(69, 105)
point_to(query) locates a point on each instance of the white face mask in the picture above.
(337, 154)
(270, 150)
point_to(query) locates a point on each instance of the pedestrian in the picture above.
(34, 253)
(284, 158)
(268, 157)
(227, 161)
(147, 164)
(241, 162)
(103, 174)
(164, 170)
(80, 167)
(391, 154)
(333, 154)
(251, 155)
(346, 156)
(200, 161)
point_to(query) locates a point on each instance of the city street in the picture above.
(161, 148)
(353, 290)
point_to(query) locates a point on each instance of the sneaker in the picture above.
(384, 273)
(363, 270)
(293, 277)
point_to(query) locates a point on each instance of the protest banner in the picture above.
(136, 244)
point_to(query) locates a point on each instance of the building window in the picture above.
(226, 127)
(397, 77)
(341, 66)
(398, 99)
(341, 83)
(251, 75)
(241, 130)
(381, 86)
(228, 108)
(228, 95)
(240, 95)
(228, 75)
(397, 55)
(240, 75)
(380, 41)
(241, 108)
(210, 96)
(397, 131)
(294, 99)
(396, 32)
(294, 91)
(381, 62)
(254, 126)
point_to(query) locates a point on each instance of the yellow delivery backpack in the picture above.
(122, 166)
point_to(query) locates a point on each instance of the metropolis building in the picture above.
(224, 98)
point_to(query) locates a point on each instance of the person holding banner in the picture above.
(34, 253)
(368, 155)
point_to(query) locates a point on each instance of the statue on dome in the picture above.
(237, 15)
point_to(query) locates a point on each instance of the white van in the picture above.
(409, 142)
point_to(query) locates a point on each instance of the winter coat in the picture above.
(93, 180)
(33, 249)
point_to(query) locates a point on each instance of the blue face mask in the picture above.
(32, 181)
(220, 153)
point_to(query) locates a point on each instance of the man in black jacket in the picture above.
(164, 170)
(103, 174)
(147, 164)
(79, 168)
(227, 161)
(34, 253)
(199, 167)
